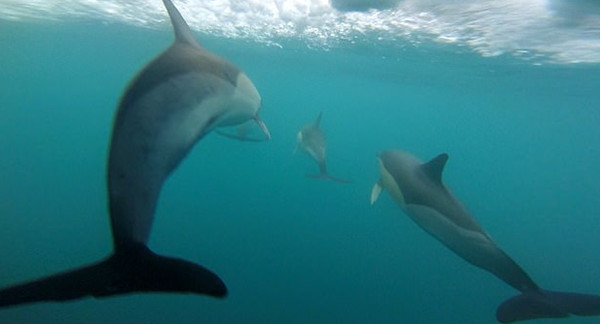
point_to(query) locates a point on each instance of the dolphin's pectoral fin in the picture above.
(377, 188)
(263, 127)
(135, 269)
(246, 131)
(547, 304)
(238, 136)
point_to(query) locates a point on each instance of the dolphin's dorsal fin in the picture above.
(183, 34)
(318, 121)
(433, 169)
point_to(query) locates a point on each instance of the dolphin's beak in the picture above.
(263, 127)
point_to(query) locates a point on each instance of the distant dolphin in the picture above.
(173, 102)
(310, 139)
(418, 189)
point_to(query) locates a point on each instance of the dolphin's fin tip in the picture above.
(130, 270)
(318, 121)
(547, 304)
(183, 33)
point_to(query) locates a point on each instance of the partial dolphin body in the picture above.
(418, 189)
(311, 140)
(170, 105)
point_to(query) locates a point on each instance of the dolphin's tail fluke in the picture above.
(326, 176)
(323, 174)
(129, 270)
(547, 304)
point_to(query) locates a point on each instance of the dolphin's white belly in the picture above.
(312, 142)
(475, 247)
(151, 137)
(316, 152)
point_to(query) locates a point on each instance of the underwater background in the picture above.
(509, 89)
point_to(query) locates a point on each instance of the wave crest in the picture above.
(558, 31)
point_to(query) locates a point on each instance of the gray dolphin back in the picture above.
(425, 197)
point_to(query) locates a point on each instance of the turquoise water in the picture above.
(524, 157)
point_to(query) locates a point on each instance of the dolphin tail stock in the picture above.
(547, 304)
(323, 174)
(128, 270)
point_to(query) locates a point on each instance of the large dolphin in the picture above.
(417, 187)
(311, 140)
(172, 103)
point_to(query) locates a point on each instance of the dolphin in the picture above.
(311, 140)
(417, 187)
(173, 102)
